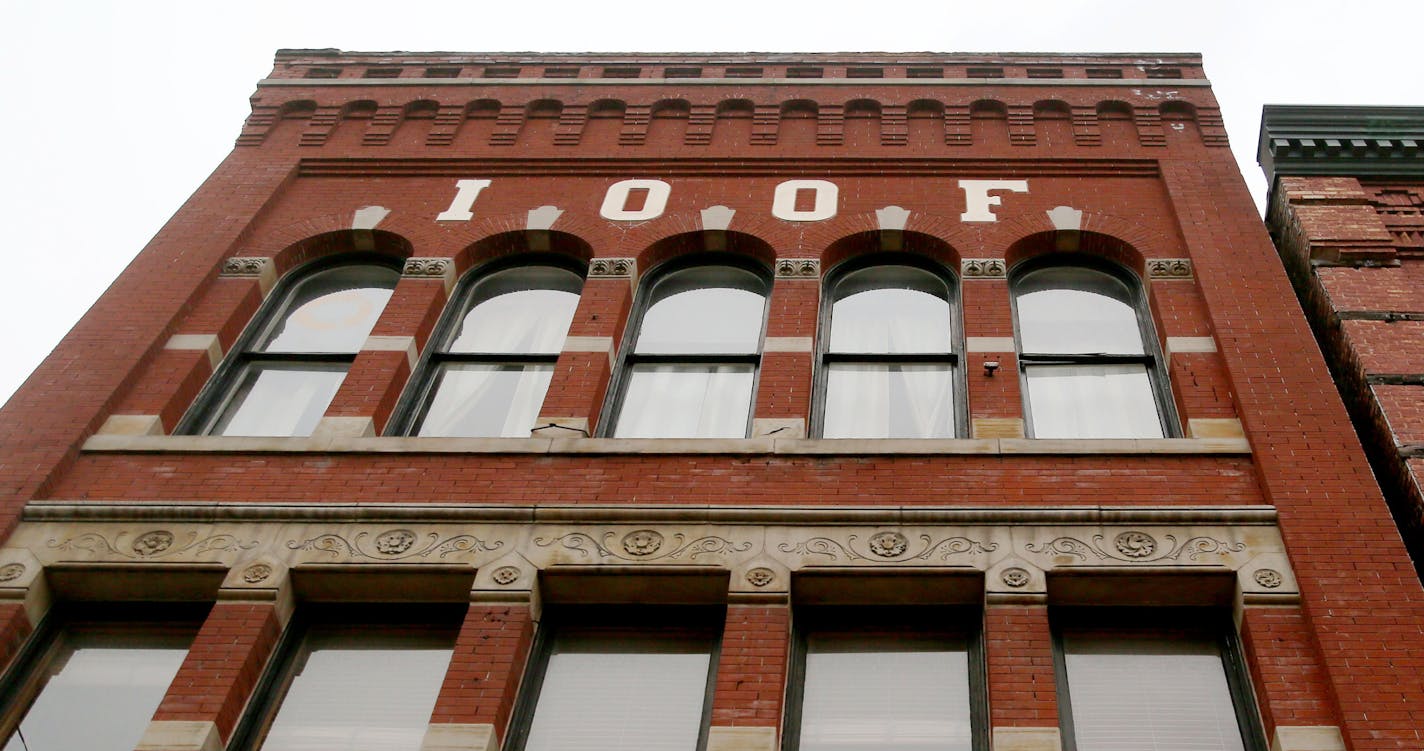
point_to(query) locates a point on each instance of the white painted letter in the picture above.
(617, 198)
(783, 202)
(466, 193)
(977, 199)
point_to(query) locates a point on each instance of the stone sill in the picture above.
(624, 446)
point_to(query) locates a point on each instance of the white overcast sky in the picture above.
(114, 112)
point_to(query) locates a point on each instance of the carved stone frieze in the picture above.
(643, 545)
(1015, 577)
(1269, 578)
(394, 545)
(1135, 546)
(760, 576)
(158, 543)
(611, 267)
(245, 266)
(505, 575)
(798, 268)
(11, 571)
(426, 267)
(1169, 268)
(888, 546)
(256, 573)
(983, 268)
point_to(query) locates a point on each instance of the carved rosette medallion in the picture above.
(611, 267)
(1135, 544)
(798, 268)
(11, 571)
(426, 267)
(642, 542)
(983, 268)
(760, 576)
(257, 572)
(1015, 577)
(505, 575)
(1269, 578)
(1169, 268)
(152, 543)
(888, 544)
(394, 542)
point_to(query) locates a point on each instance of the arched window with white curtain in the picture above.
(494, 355)
(1089, 357)
(691, 357)
(292, 358)
(888, 354)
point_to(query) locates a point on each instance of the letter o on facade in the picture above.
(617, 198)
(783, 203)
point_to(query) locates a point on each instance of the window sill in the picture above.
(787, 446)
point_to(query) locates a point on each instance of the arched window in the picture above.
(494, 355)
(294, 355)
(888, 354)
(1089, 357)
(691, 357)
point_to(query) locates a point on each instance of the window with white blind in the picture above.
(690, 358)
(881, 679)
(599, 685)
(344, 685)
(494, 355)
(289, 363)
(1089, 358)
(1170, 687)
(888, 353)
(112, 675)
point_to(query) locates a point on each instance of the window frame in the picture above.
(24, 680)
(825, 358)
(1153, 359)
(948, 621)
(410, 409)
(701, 621)
(1210, 622)
(273, 685)
(223, 385)
(628, 358)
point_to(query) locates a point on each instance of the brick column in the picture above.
(477, 697)
(582, 373)
(1291, 687)
(751, 678)
(15, 628)
(1023, 690)
(376, 378)
(213, 683)
(995, 402)
(783, 400)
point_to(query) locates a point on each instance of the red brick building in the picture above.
(726, 402)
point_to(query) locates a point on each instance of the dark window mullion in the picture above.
(695, 359)
(249, 358)
(898, 357)
(1034, 358)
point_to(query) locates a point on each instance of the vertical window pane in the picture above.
(520, 311)
(280, 399)
(1131, 693)
(686, 401)
(477, 400)
(603, 693)
(361, 692)
(332, 311)
(712, 309)
(101, 691)
(873, 693)
(873, 400)
(1092, 401)
(890, 309)
(1076, 311)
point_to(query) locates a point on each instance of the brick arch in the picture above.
(640, 241)
(1100, 235)
(731, 241)
(319, 236)
(821, 238)
(477, 241)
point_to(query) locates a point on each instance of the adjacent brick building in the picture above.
(731, 402)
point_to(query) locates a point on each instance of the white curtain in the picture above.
(350, 696)
(477, 400)
(870, 694)
(531, 321)
(686, 401)
(874, 400)
(1133, 693)
(1092, 401)
(281, 401)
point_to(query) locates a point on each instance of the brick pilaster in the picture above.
(222, 666)
(1018, 648)
(483, 679)
(751, 672)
